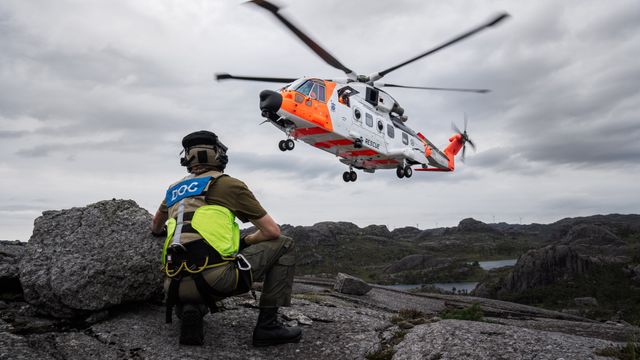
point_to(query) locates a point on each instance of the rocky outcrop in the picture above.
(546, 266)
(596, 241)
(10, 254)
(348, 284)
(455, 339)
(405, 233)
(88, 259)
(583, 248)
(472, 225)
(413, 262)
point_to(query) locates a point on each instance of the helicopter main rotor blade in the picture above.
(479, 91)
(461, 37)
(225, 76)
(319, 50)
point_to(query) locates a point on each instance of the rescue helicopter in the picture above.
(352, 117)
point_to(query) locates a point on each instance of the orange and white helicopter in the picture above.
(352, 118)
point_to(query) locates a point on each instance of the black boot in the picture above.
(191, 329)
(270, 331)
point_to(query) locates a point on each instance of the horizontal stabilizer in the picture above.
(432, 169)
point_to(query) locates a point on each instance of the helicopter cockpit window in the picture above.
(317, 93)
(405, 138)
(369, 119)
(390, 131)
(305, 88)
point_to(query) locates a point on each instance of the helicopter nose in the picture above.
(270, 102)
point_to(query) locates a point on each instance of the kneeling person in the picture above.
(203, 256)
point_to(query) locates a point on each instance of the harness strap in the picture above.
(172, 299)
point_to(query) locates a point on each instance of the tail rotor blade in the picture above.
(455, 128)
(465, 123)
(473, 146)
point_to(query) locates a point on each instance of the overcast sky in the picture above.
(95, 97)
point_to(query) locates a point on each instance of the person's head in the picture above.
(203, 151)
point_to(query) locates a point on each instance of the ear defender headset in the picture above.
(203, 148)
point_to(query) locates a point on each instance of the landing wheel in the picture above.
(353, 176)
(400, 172)
(289, 144)
(346, 176)
(282, 145)
(408, 171)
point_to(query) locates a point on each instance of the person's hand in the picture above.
(162, 232)
(243, 242)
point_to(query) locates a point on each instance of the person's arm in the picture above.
(157, 224)
(268, 229)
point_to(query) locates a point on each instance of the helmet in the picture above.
(203, 148)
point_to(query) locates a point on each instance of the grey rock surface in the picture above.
(11, 253)
(473, 225)
(339, 326)
(88, 259)
(413, 262)
(586, 301)
(456, 339)
(546, 266)
(348, 284)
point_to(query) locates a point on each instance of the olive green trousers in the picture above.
(272, 262)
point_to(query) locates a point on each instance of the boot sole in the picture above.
(261, 343)
(191, 328)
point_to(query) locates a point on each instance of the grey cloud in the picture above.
(11, 134)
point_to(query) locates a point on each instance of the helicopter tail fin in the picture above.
(456, 142)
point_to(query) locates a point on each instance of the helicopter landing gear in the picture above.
(285, 145)
(405, 171)
(289, 144)
(349, 176)
(408, 171)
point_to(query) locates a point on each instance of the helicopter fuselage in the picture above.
(360, 124)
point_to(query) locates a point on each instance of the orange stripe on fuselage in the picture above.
(332, 143)
(302, 132)
(359, 153)
(384, 161)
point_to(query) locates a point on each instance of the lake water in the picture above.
(488, 265)
(467, 285)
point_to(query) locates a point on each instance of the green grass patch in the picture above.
(471, 313)
(386, 350)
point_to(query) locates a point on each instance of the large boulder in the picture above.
(88, 259)
(352, 285)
